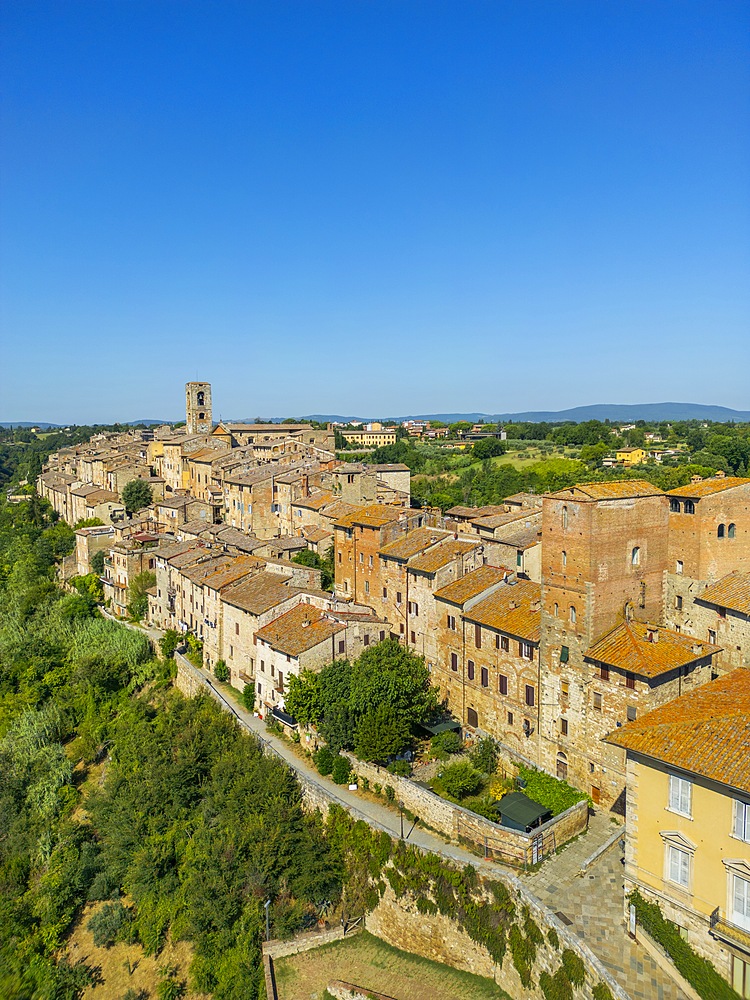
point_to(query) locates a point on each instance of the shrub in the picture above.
(484, 756)
(402, 768)
(248, 697)
(341, 770)
(575, 970)
(377, 788)
(323, 761)
(389, 793)
(108, 922)
(169, 643)
(556, 795)
(365, 784)
(602, 992)
(699, 972)
(556, 987)
(221, 671)
(553, 938)
(461, 779)
(446, 743)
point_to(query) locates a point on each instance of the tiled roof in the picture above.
(707, 487)
(315, 501)
(263, 428)
(472, 512)
(101, 496)
(223, 575)
(434, 559)
(732, 591)
(471, 584)
(520, 534)
(259, 593)
(372, 516)
(492, 521)
(315, 534)
(706, 731)
(299, 629)
(620, 489)
(515, 609)
(205, 455)
(395, 467)
(628, 647)
(411, 544)
(525, 499)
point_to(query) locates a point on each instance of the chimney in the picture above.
(696, 479)
(305, 485)
(652, 635)
(720, 474)
(697, 648)
(512, 606)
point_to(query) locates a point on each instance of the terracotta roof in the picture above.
(389, 467)
(259, 593)
(731, 592)
(315, 534)
(205, 455)
(225, 573)
(620, 489)
(263, 428)
(706, 731)
(492, 521)
(520, 534)
(339, 509)
(471, 512)
(707, 487)
(513, 608)
(439, 556)
(525, 499)
(628, 647)
(315, 501)
(299, 629)
(414, 542)
(471, 584)
(373, 516)
(102, 496)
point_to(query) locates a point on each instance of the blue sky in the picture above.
(372, 207)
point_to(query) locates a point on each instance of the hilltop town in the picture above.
(599, 633)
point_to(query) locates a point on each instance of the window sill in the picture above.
(675, 812)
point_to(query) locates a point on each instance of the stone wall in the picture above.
(439, 938)
(461, 825)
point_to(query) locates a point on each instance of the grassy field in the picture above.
(366, 961)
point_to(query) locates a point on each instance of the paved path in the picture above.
(591, 905)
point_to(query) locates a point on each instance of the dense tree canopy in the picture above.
(370, 706)
(136, 495)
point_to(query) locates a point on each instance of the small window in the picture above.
(472, 719)
(385, 593)
(564, 654)
(679, 567)
(680, 795)
(563, 727)
(741, 824)
(598, 701)
(674, 506)
(632, 713)
(454, 661)
(366, 639)
(526, 650)
(510, 718)
(678, 603)
(398, 597)
(361, 558)
(367, 586)
(564, 518)
(530, 695)
(369, 561)
(556, 610)
(339, 555)
(712, 636)
(231, 651)
(720, 531)
(452, 623)
(630, 681)
(504, 643)
(564, 689)
(502, 684)
(519, 558)
(497, 641)
(603, 671)
(564, 559)
(382, 636)
(485, 677)
(470, 670)
(573, 615)
(635, 556)
(689, 507)
(273, 670)
(413, 637)
(342, 646)
(731, 531)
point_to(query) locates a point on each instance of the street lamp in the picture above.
(268, 927)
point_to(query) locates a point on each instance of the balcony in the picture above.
(728, 932)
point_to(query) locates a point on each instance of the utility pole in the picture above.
(268, 926)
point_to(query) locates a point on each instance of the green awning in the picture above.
(435, 728)
(520, 810)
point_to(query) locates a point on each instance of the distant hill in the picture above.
(51, 427)
(601, 411)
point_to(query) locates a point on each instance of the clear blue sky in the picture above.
(372, 207)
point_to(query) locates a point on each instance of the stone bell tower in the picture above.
(198, 408)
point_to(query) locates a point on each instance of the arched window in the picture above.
(689, 507)
(200, 399)
(562, 766)
(564, 558)
(720, 532)
(565, 517)
(573, 615)
(731, 531)
(557, 609)
(635, 556)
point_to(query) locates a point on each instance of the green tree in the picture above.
(461, 779)
(487, 448)
(138, 594)
(302, 699)
(97, 562)
(169, 643)
(136, 495)
(380, 734)
(88, 522)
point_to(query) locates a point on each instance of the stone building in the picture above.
(198, 414)
(721, 614)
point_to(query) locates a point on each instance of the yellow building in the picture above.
(688, 818)
(630, 456)
(371, 439)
